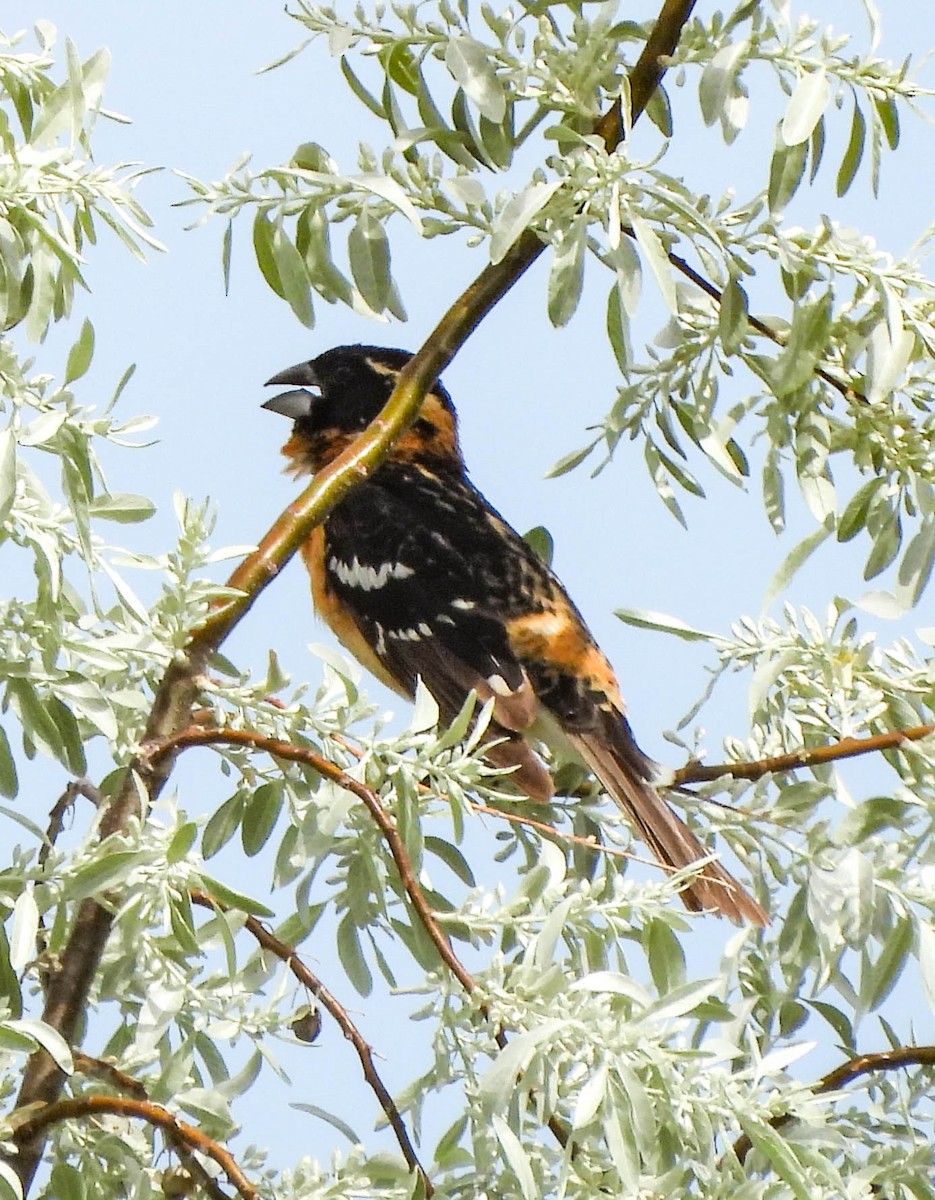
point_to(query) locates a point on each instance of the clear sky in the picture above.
(185, 74)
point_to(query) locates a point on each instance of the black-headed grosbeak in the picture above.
(417, 575)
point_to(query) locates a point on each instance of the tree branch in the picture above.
(308, 979)
(864, 1064)
(116, 1078)
(37, 1123)
(846, 748)
(70, 986)
(195, 736)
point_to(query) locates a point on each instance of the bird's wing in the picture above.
(404, 586)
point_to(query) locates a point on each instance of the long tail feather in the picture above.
(626, 774)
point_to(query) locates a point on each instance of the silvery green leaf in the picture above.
(7, 472)
(854, 152)
(517, 214)
(657, 259)
(717, 80)
(25, 928)
(369, 256)
(48, 1038)
(470, 66)
(645, 619)
(516, 1157)
(805, 108)
(567, 274)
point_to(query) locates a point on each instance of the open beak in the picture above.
(298, 402)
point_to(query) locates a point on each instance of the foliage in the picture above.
(587, 1052)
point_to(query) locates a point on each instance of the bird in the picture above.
(419, 577)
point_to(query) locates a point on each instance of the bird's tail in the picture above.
(626, 773)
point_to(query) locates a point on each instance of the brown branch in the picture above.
(864, 1064)
(175, 696)
(101, 1069)
(196, 736)
(308, 979)
(37, 1123)
(241, 737)
(815, 756)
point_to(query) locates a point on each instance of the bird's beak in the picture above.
(297, 403)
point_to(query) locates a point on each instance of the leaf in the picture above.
(886, 542)
(9, 782)
(471, 67)
(785, 174)
(498, 1083)
(665, 956)
(223, 824)
(48, 1038)
(655, 255)
(263, 249)
(774, 491)
(854, 517)
(777, 1152)
(79, 356)
(567, 274)
(126, 508)
(888, 113)
(541, 541)
(351, 956)
(25, 929)
(805, 108)
(717, 80)
(293, 277)
(850, 163)
(227, 246)
(260, 816)
(7, 472)
(568, 462)
(644, 619)
(369, 257)
(927, 962)
(732, 317)
(452, 857)
(516, 216)
(331, 1119)
(516, 1157)
(915, 569)
(362, 94)
(681, 1000)
(796, 557)
(232, 899)
(878, 979)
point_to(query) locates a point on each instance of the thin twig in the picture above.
(308, 979)
(814, 756)
(36, 1124)
(840, 385)
(864, 1064)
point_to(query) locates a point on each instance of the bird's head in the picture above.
(336, 395)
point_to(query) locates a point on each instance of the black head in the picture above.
(338, 394)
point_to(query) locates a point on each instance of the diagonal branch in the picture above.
(846, 748)
(864, 1064)
(196, 736)
(175, 696)
(36, 1124)
(308, 979)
